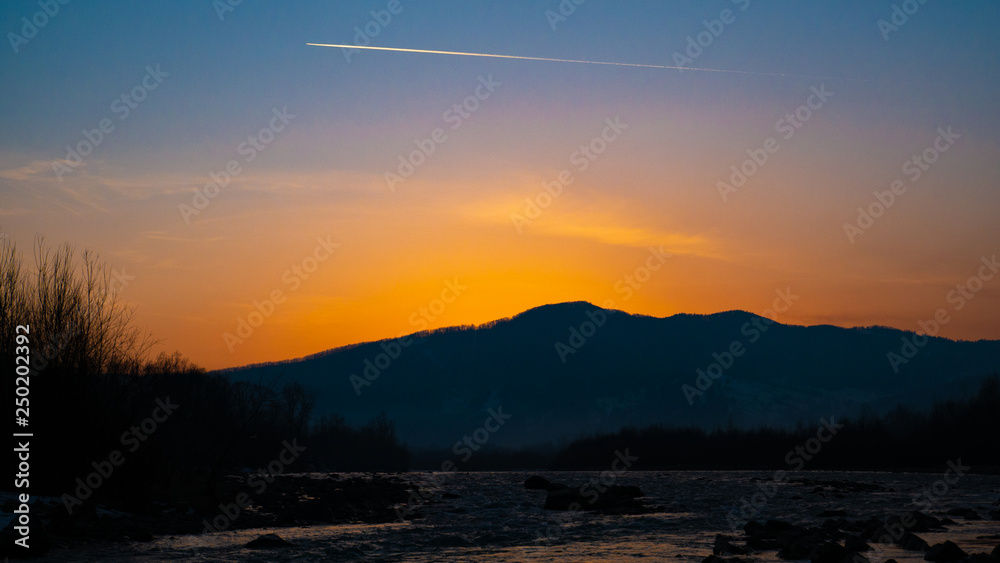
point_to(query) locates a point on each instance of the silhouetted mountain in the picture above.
(558, 375)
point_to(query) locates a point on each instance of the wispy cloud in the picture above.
(31, 170)
(608, 222)
(589, 229)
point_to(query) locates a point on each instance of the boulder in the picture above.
(873, 529)
(796, 550)
(912, 542)
(914, 521)
(837, 524)
(139, 534)
(947, 551)
(855, 543)
(765, 536)
(877, 532)
(449, 540)
(613, 499)
(268, 541)
(717, 559)
(767, 530)
(539, 483)
(724, 546)
(833, 552)
(926, 520)
(799, 542)
(967, 513)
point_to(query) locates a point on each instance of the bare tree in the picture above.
(297, 404)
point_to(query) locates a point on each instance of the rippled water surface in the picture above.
(494, 518)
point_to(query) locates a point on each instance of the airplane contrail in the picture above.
(699, 69)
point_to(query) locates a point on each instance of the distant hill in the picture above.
(631, 370)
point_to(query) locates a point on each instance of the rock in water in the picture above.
(833, 552)
(854, 543)
(946, 551)
(765, 536)
(912, 542)
(628, 491)
(717, 559)
(724, 546)
(536, 483)
(967, 513)
(539, 483)
(613, 498)
(268, 541)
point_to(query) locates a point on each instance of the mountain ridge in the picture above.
(573, 368)
(547, 306)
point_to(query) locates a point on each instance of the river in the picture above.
(489, 516)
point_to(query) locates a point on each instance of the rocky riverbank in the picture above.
(839, 540)
(240, 502)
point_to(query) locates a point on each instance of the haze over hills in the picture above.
(559, 371)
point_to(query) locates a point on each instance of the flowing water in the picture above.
(495, 519)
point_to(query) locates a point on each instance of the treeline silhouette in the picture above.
(110, 422)
(902, 439)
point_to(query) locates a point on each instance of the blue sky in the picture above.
(256, 58)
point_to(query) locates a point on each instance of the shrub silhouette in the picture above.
(92, 379)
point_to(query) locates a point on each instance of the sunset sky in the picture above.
(200, 80)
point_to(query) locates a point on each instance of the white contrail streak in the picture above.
(597, 62)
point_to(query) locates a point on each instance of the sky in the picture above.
(843, 169)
